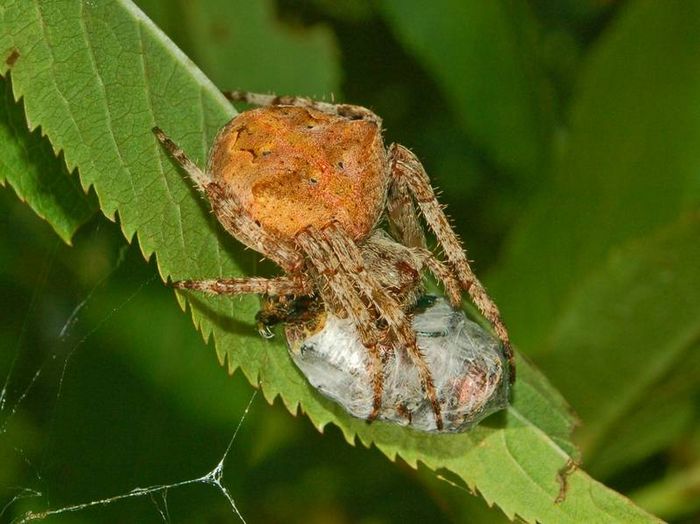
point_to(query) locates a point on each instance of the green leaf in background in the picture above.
(38, 177)
(628, 337)
(660, 416)
(630, 165)
(266, 54)
(97, 77)
(675, 495)
(483, 56)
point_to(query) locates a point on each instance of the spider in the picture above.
(306, 183)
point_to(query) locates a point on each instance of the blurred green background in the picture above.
(565, 137)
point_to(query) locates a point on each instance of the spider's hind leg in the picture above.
(406, 227)
(402, 217)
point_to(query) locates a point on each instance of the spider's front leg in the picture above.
(201, 181)
(406, 168)
(247, 285)
(444, 274)
(269, 287)
(341, 292)
(346, 110)
(336, 245)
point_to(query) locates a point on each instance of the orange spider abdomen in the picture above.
(295, 167)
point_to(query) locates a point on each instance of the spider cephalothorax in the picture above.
(296, 167)
(306, 183)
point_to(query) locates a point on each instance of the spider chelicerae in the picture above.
(306, 184)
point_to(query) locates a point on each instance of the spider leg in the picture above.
(346, 110)
(247, 285)
(350, 258)
(200, 179)
(343, 293)
(270, 287)
(406, 227)
(402, 216)
(395, 267)
(404, 164)
(444, 274)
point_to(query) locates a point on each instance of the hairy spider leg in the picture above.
(201, 181)
(247, 285)
(270, 287)
(346, 110)
(341, 291)
(404, 164)
(444, 274)
(350, 258)
(405, 225)
(402, 217)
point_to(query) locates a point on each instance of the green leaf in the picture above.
(661, 416)
(630, 331)
(630, 165)
(483, 56)
(98, 77)
(675, 496)
(38, 177)
(267, 54)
